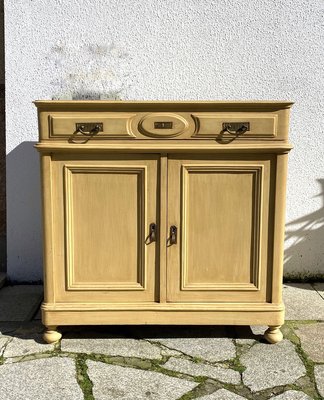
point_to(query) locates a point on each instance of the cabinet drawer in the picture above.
(215, 126)
(111, 125)
(236, 125)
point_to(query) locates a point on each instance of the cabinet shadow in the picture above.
(34, 329)
(24, 237)
(155, 332)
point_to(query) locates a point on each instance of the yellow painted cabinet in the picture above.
(163, 212)
(103, 211)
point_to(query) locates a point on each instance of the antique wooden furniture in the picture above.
(163, 212)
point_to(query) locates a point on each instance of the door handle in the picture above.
(173, 234)
(152, 232)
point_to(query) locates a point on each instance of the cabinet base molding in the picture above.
(266, 307)
(175, 314)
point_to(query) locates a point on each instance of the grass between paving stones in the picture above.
(196, 392)
(205, 385)
(235, 363)
(34, 356)
(82, 376)
(132, 362)
(309, 387)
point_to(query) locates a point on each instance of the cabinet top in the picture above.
(159, 105)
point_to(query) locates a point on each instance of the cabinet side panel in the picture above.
(279, 227)
(46, 182)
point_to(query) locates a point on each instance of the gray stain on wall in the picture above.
(90, 71)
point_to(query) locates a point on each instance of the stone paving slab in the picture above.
(312, 340)
(210, 349)
(268, 366)
(222, 374)
(115, 382)
(292, 395)
(319, 378)
(248, 342)
(169, 352)
(319, 287)
(302, 302)
(22, 346)
(19, 303)
(3, 341)
(222, 394)
(112, 347)
(46, 379)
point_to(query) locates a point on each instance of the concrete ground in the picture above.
(162, 362)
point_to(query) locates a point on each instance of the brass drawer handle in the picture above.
(236, 128)
(88, 129)
(93, 129)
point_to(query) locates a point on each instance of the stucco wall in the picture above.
(166, 49)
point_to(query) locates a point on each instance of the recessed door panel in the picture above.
(107, 206)
(105, 212)
(220, 207)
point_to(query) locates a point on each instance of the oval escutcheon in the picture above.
(162, 125)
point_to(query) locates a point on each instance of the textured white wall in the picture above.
(166, 49)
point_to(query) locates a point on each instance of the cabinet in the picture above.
(163, 212)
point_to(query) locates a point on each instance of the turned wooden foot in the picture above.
(273, 334)
(51, 335)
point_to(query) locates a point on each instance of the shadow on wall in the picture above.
(24, 214)
(306, 250)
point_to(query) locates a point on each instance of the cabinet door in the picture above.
(220, 206)
(102, 210)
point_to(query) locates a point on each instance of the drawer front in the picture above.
(112, 125)
(236, 125)
(222, 127)
(120, 126)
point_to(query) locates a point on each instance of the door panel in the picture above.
(220, 207)
(107, 206)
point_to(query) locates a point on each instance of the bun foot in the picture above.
(273, 334)
(51, 335)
